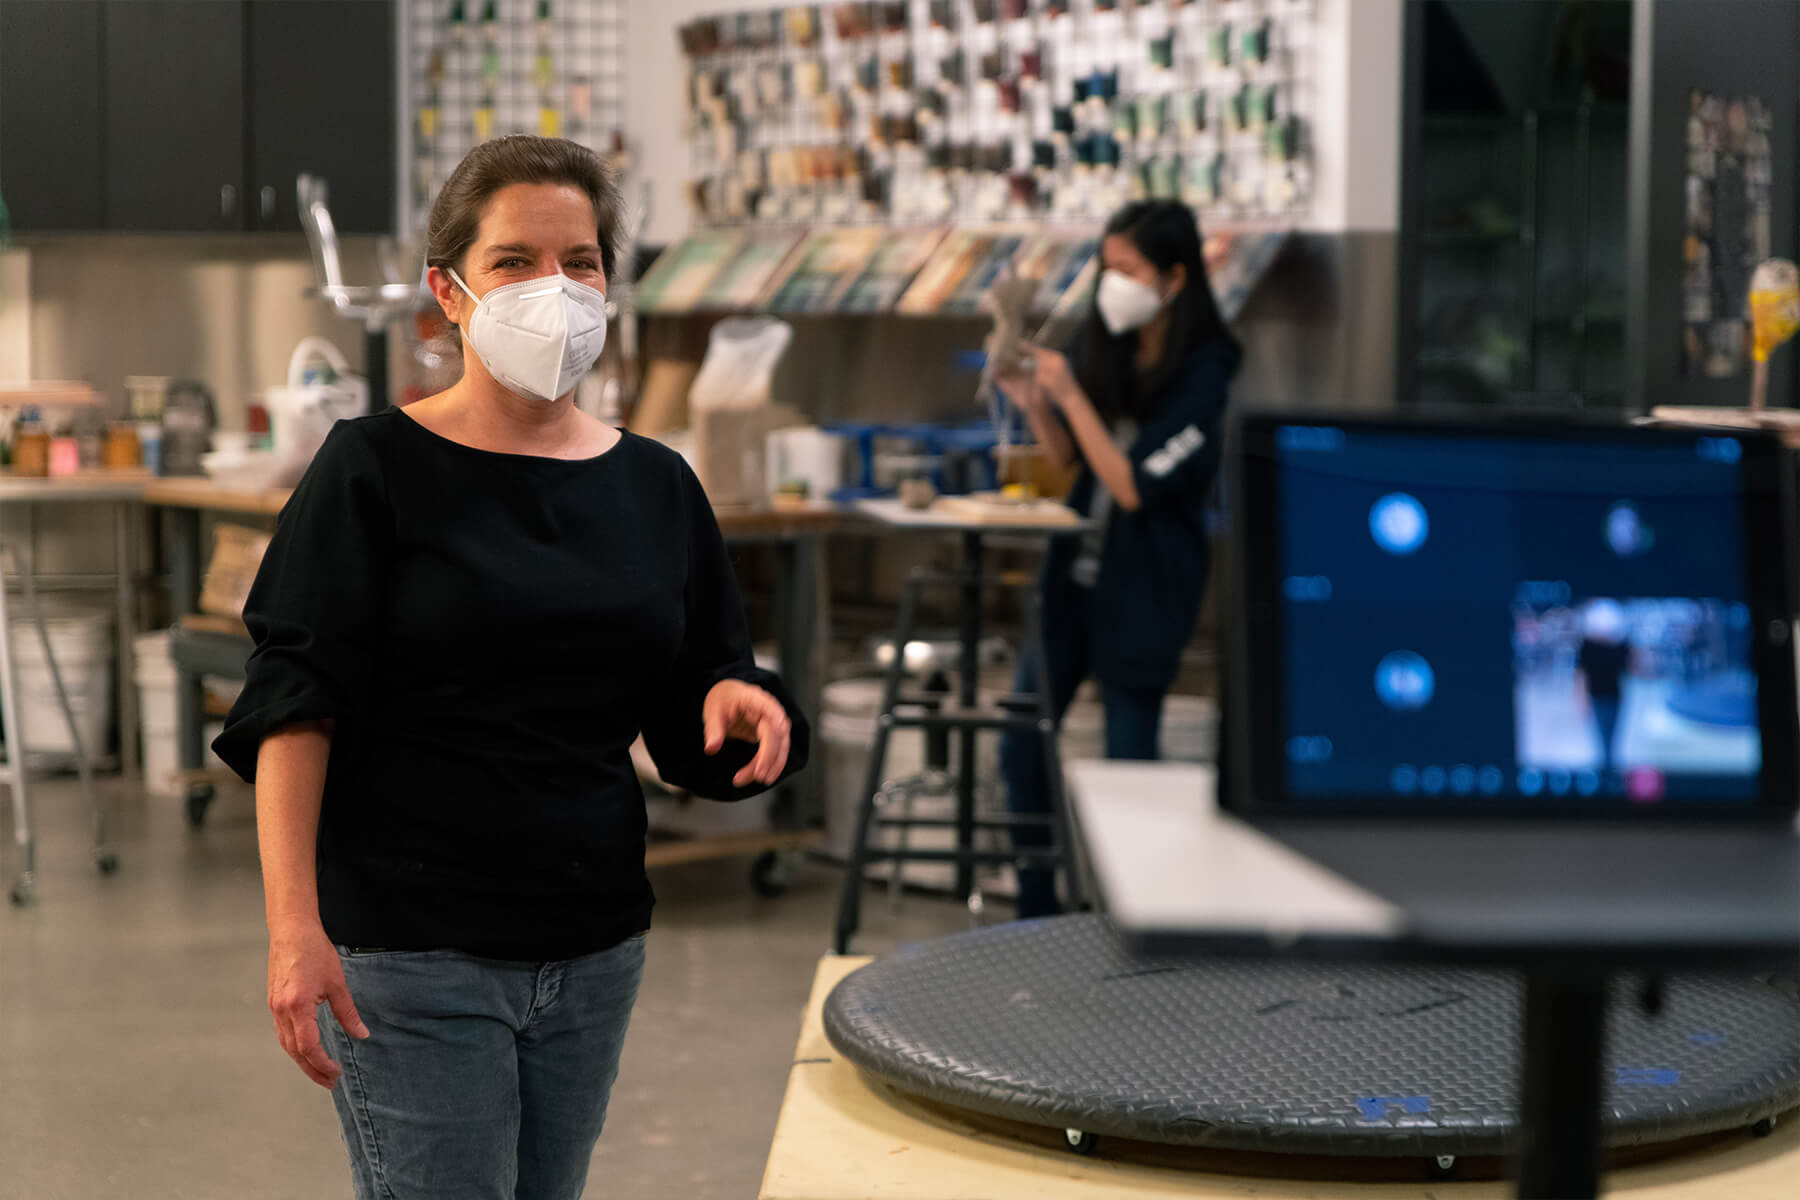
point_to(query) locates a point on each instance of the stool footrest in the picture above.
(1010, 821)
(1051, 855)
(964, 720)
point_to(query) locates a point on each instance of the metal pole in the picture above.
(973, 564)
(1560, 1092)
(125, 563)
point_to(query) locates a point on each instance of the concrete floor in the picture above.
(137, 1058)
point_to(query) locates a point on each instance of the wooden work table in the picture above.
(842, 1136)
(800, 598)
(747, 523)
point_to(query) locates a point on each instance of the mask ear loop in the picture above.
(451, 271)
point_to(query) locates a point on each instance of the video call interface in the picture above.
(1515, 622)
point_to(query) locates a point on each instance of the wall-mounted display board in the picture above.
(916, 111)
(478, 69)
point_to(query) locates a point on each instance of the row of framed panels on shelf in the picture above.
(927, 271)
(926, 110)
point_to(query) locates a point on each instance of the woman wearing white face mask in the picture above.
(1138, 407)
(469, 611)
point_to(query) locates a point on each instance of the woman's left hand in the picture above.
(744, 712)
(1053, 375)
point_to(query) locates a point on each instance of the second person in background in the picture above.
(1137, 405)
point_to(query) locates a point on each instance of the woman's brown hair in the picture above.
(519, 158)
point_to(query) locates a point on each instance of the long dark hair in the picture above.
(1166, 233)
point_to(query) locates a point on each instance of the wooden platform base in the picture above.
(841, 1136)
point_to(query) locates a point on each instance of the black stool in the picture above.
(1025, 713)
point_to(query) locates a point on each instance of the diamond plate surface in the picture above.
(1050, 1023)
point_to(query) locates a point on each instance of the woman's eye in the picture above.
(507, 263)
(582, 264)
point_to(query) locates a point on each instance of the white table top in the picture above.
(1168, 861)
(892, 512)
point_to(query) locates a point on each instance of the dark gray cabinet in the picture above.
(196, 115)
(50, 149)
(321, 101)
(174, 128)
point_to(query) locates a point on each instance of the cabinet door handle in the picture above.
(268, 203)
(227, 200)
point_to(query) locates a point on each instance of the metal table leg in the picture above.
(24, 884)
(125, 564)
(974, 561)
(182, 542)
(802, 668)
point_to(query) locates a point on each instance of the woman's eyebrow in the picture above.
(523, 248)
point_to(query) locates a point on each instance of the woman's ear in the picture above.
(1175, 281)
(449, 296)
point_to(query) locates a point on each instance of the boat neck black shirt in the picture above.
(488, 634)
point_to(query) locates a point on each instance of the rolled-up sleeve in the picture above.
(314, 610)
(715, 647)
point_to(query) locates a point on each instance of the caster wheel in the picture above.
(1443, 1166)
(20, 895)
(199, 799)
(107, 862)
(1763, 1128)
(1080, 1142)
(770, 875)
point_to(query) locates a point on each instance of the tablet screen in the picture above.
(1513, 621)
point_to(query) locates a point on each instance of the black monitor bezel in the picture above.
(1254, 780)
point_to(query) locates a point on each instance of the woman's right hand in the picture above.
(304, 972)
(1025, 393)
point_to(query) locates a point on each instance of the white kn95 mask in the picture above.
(540, 336)
(1125, 303)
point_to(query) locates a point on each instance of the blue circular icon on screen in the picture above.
(1462, 780)
(1432, 780)
(1398, 523)
(1404, 681)
(1587, 783)
(1559, 783)
(1405, 779)
(1492, 780)
(1531, 781)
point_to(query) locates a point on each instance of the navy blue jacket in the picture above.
(1154, 567)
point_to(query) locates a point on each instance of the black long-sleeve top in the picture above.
(488, 634)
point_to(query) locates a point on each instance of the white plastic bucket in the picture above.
(159, 714)
(158, 711)
(81, 640)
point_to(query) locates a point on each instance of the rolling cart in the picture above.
(14, 771)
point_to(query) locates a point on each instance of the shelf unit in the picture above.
(1526, 305)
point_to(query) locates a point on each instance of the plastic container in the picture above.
(302, 413)
(159, 714)
(81, 639)
(148, 395)
(150, 438)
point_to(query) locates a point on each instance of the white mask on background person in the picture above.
(1126, 304)
(538, 337)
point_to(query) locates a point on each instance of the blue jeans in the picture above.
(1133, 723)
(480, 1080)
